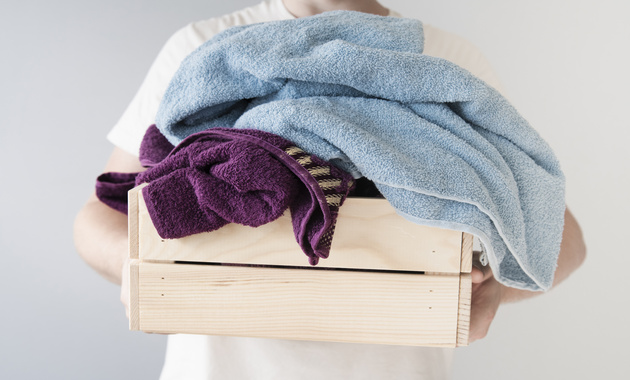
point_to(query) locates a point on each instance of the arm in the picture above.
(100, 233)
(488, 294)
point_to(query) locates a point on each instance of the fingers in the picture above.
(479, 273)
(480, 325)
(486, 298)
(476, 275)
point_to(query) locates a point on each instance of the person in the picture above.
(101, 233)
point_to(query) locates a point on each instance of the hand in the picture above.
(486, 297)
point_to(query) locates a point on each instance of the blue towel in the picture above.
(444, 148)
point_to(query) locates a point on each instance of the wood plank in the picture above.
(134, 295)
(369, 235)
(133, 221)
(463, 318)
(467, 253)
(324, 305)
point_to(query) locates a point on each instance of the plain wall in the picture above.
(69, 69)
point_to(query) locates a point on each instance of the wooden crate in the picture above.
(387, 281)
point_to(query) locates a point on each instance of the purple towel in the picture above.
(242, 176)
(112, 188)
(154, 147)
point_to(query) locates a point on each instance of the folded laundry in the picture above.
(222, 176)
(444, 148)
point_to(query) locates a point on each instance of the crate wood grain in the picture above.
(387, 280)
(368, 235)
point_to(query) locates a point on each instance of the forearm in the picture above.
(100, 232)
(572, 255)
(100, 236)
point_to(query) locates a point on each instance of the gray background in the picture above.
(70, 67)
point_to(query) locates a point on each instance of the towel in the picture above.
(444, 148)
(111, 188)
(220, 176)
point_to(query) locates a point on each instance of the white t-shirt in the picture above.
(193, 357)
(128, 132)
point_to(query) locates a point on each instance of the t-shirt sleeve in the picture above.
(128, 132)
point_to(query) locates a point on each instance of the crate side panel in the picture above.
(463, 320)
(134, 297)
(324, 305)
(133, 220)
(467, 252)
(369, 235)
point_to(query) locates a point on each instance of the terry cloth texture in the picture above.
(248, 177)
(112, 189)
(444, 148)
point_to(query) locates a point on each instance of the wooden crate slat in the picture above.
(134, 294)
(463, 318)
(133, 215)
(369, 235)
(326, 305)
(467, 253)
